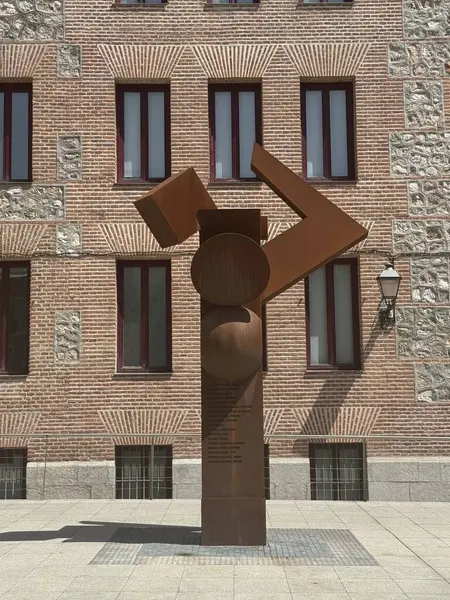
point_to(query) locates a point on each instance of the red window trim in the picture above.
(4, 303)
(356, 365)
(144, 264)
(7, 89)
(120, 119)
(325, 88)
(335, 447)
(234, 88)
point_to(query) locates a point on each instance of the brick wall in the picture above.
(186, 43)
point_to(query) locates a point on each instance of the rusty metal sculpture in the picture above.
(234, 275)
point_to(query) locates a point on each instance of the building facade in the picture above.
(99, 342)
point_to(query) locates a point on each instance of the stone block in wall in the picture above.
(426, 18)
(388, 491)
(388, 471)
(69, 60)
(445, 471)
(432, 382)
(32, 20)
(290, 479)
(431, 237)
(424, 106)
(420, 154)
(70, 480)
(69, 157)
(187, 478)
(424, 492)
(423, 332)
(67, 338)
(429, 198)
(68, 239)
(35, 202)
(419, 59)
(430, 279)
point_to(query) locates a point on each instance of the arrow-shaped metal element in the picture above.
(325, 231)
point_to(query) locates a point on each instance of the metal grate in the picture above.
(143, 472)
(337, 472)
(13, 472)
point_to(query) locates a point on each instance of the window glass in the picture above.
(2, 131)
(343, 314)
(338, 133)
(223, 135)
(156, 136)
(17, 324)
(314, 134)
(132, 316)
(20, 136)
(318, 334)
(157, 316)
(132, 135)
(247, 132)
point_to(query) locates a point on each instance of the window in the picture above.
(266, 472)
(144, 305)
(265, 365)
(332, 316)
(337, 472)
(143, 133)
(235, 125)
(328, 131)
(13, 471)
(143, 472)
(15, 132)
(14, 318)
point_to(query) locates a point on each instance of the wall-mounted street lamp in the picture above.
(389, 282)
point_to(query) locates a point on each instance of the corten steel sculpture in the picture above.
(234, 275)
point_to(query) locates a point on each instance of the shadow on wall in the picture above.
(335, 390)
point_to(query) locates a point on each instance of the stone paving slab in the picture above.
(105, 550)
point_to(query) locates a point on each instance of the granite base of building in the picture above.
(418, 479)
(74, 480)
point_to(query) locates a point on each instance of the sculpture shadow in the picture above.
(336, 388)
(124, 533)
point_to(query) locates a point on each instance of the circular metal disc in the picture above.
(230, 269)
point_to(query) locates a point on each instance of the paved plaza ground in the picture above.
(136, 550)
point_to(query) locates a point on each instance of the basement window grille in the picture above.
(337, 472)
(143, 472)
(13, 472)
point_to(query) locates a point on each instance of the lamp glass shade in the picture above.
(389, 282)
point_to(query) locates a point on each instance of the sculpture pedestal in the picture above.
(233, 522)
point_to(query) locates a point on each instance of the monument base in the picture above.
(233, 522)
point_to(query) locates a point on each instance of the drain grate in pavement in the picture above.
(181, 545)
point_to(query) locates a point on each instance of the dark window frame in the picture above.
(146, 454)
(335, 448)
(10, 453)
(143, 90)
(8, 89)
(234, 88)
(331, 338)
(145, 342)
(4, 303)
(325, 88)
(265, 362)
